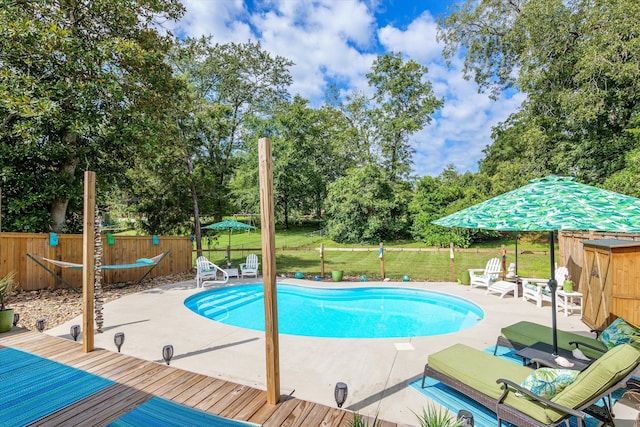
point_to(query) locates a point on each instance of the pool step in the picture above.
(214, 307)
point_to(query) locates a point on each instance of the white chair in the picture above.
(537, 289)
(483, 277)
(206, 271)
(250, 266)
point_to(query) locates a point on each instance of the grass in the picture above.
(423, 266)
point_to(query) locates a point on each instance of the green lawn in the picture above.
(430, 266)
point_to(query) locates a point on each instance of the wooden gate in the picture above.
(597, 295)
(612, 282)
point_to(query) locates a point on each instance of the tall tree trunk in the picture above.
(67, 171)
(196, 210)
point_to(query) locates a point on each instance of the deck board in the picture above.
(136, 381)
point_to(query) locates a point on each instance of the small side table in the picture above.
(570, 301)
(232, 272)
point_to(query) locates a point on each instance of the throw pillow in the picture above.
(547, 382)
(619, 332)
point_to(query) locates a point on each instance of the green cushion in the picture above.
(528, 333)
(547, 382)
(480, 370)
(601, 375)
(619, 332)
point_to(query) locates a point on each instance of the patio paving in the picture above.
(377, 371)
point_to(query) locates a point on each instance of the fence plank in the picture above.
(125, 250)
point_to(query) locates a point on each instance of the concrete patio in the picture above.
(377, 371)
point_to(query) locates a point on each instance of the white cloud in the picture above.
(338, 41)
(418, 41)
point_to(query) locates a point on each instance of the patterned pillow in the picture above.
(547, 382)
(619, 332)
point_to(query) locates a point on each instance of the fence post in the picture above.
(88, 261)
(381, 256)
(453, 263)
(322, 260)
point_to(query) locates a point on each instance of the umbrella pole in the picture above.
(553, 284)
(229, 250)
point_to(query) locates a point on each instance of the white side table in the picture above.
(232, 272)
(570, 301)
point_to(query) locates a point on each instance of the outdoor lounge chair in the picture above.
(206, 271)
(525, 334)
(250, 267)
(483, 277)
(495, 383)
(537, 289)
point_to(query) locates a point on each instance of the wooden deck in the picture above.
(136, 381)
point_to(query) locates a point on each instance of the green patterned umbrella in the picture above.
(229, 224)
(549, 204)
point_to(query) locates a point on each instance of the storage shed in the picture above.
(611, 282)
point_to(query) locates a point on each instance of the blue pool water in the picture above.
(340, 313)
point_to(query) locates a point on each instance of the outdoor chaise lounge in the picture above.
(495, 383)
(525, 334)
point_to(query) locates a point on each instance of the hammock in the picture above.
(141, 262)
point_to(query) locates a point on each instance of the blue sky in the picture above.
(338, 40)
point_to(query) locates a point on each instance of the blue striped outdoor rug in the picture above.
(483, 417)
(34, 387)
(158, 412)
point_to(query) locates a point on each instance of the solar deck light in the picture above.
(340, 393)
(167, 353)
(16, 318)
(465, 418)
(40, 324)
(75, 331)
(118, 340)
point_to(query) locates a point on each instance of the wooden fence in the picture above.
(30, 276)
(572, 249)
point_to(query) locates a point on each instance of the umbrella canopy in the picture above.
(549, 204)
(229, 224)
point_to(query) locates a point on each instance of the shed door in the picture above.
(597, 295)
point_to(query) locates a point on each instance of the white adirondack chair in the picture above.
(250, 267)
(483, 277)
(206, 271)
(537, 289)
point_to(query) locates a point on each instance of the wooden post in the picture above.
(88, 262)
(503, 251)
(453, 263)
(381, 256)
(322, 260)
(269, 270)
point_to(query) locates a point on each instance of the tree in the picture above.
(361, 207)
(227, 85)
(305, 159)
(576, 61)
(436, 197)
(405, 102)
(84, 85)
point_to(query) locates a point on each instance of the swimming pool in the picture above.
(340, 313)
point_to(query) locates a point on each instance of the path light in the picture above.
(16, 318)
(465, 418)
(40, 324)
(340, 393)
(75, 331)
(167, 353)
(118, 340)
